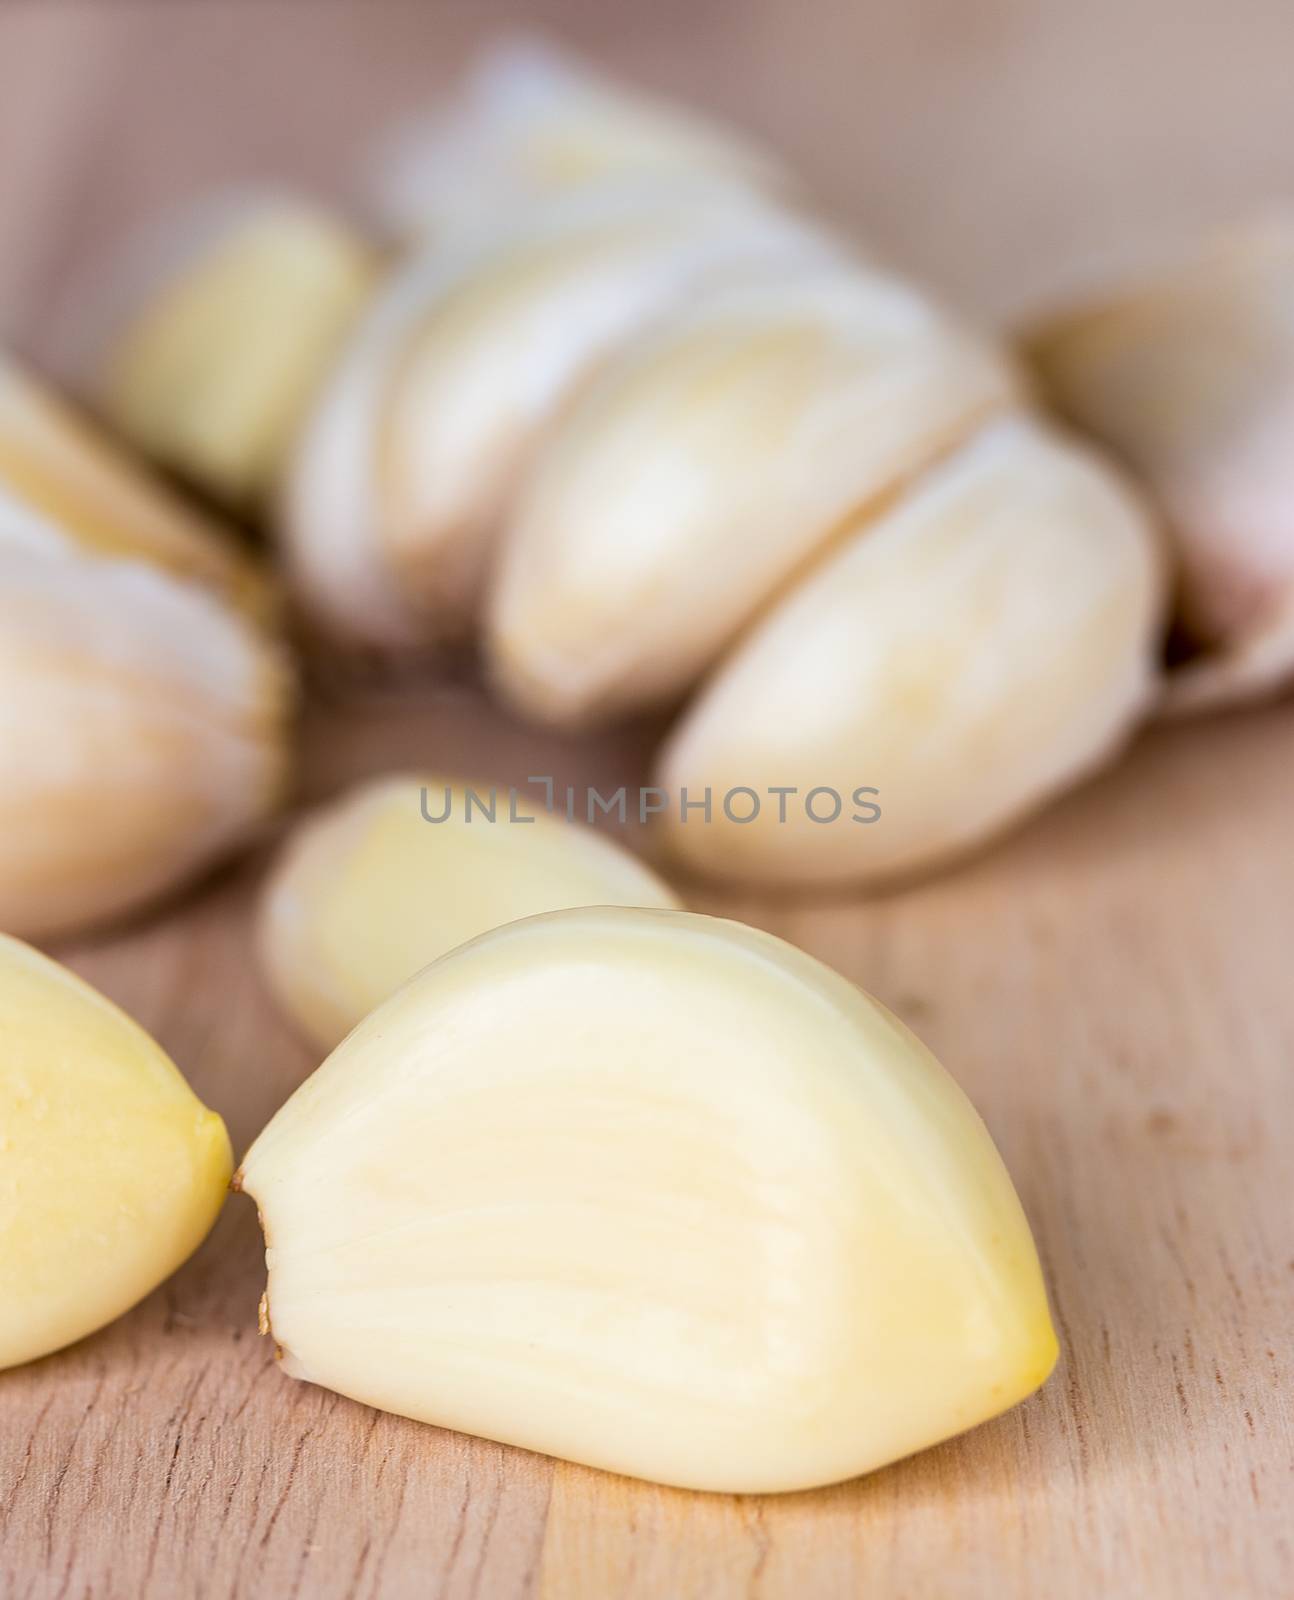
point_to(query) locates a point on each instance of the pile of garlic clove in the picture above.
(585, 1172)
(632, 421)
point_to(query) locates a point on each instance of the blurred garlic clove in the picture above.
(1190, 379)
(694, 479)
(445, 390)
(64, 472)
(403, 869)
(653, 1192)
(502, 346)
(214, 333)
(114, 1171)
(969, 652)
(531, 123)
(143, 703)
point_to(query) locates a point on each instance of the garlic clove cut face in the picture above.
(982, 644)
(111, 1170)
(506, 341)
(217, 333)
(698, 475)
(371, 889)
(653, 1192)
(143, 732)
(533, 124)
(55, 466)
(1189, 378)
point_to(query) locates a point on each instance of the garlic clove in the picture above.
(57, 468)
(403, 869)
(216, 334)
(657, 1193)
(695, 478)
(329, 523)
(530, 124)
(111, 1170)
(505, 342)
(981, 644)
(450, 380)
(1190, 379)
(142, 730)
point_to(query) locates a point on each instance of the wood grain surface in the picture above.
(1112, 985)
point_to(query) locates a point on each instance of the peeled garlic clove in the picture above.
(111, 1170)
(402, 870)
(696, 477)
(530, 123)
(206, 351)
(142, 730)
(503, 344)
(330, 531)
(657, 1193)
(449, 382)
(972, 650)
(56, 469)
(1190, 379)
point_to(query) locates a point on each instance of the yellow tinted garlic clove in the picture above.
(216, 333)
(402, 870)
(111, 1170)
(979, 645)
(532, 124)
(693, 481)
(144, 705)
(57, 468)
(1189, 377)
(657, 1193)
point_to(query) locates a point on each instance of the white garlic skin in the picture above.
(656, 1193)
(1188, 376)
(145, 703)
(142, 735)
(368, 890)
(532, 123)
(984, 642)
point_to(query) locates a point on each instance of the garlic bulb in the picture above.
(113, 1170)
(214, 333)
(1190, 378)
(143, 705)
(530, 123)
(977, 646)
(403, 869)
(657, 1193)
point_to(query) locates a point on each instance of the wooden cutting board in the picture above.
(1112, 985)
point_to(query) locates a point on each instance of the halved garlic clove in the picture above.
(216, 334)
(1190, 379)
(111, 1170)
(981, 644)
(531, 123)
(403, 869)
(142, 730)
(693, 481)
(657, 1193)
